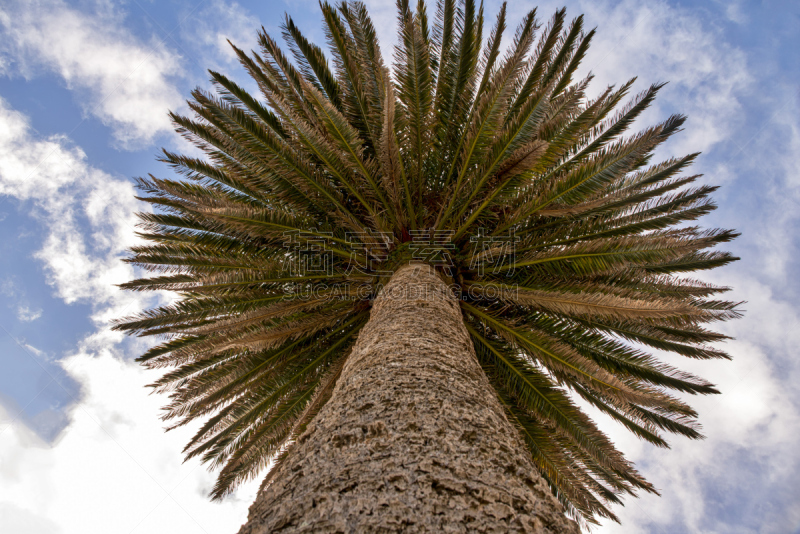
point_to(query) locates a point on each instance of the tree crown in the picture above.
(563, 241)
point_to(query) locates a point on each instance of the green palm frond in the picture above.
(566, 242)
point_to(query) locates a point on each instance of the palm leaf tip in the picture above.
(567, 244)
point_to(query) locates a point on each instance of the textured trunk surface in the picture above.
(413, 438)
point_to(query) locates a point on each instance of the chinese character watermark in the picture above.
(310, 255)
(493, 251)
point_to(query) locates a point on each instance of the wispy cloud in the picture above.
(26, 314)
(659, 42)
(209, 28)
(15, 298)
(33, 350)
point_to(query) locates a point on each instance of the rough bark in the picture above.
(413, 438)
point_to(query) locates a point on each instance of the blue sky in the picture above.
(84, 91)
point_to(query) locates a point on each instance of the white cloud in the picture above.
(118, 78)
(22, 521)
(63, 187)
(112, 468)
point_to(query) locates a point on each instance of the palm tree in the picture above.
(396, 284)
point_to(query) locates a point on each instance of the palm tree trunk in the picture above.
(413, 437)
